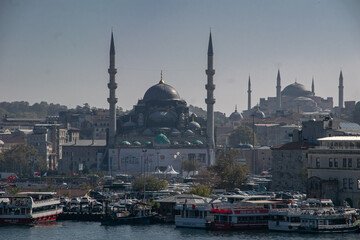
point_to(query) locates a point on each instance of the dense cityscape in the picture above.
(289, 163)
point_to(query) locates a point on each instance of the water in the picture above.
(93, 230)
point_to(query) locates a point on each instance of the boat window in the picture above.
(223, 218)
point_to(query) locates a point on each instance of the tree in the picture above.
(151, 184)
(23, 160)
(242, 134)
(201, 190)
(230, 173)
(190, 165)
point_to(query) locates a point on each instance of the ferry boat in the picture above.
(288, 219)
(28, 208)
(329, 221)
(245, 215)
(284, 220)
(194, 215)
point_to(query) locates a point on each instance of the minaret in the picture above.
(249, 94)
(210, 100)
(112, 100)
(278, 91)
(341, 91)
(313, 87)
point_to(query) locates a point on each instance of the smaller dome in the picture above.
(258, 113)
(148, 132)
(148, 143)
(194, 125)
(197, 142)
(136, 143)
(187, 143)
(236, 116)
(162, 139)
(2, 142)
(244, 146)
(174, 131)
(125, 143)
(189, 132)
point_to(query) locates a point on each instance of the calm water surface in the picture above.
(93, 230)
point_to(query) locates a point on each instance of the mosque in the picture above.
(293, 98)
(159, 131)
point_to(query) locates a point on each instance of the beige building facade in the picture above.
(334, 170)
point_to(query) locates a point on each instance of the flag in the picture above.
(36, 174)
(45, 174)
(11, 178)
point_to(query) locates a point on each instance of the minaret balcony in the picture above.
(112, 85)
(210, 100)
(210, 87)
(112, 100)
(112, 70)
(210, 72)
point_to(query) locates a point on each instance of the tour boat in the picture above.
(245, 215)
(329, 221)
(284, 220)
(28, 208)
(193, 215)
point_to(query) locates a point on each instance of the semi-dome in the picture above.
(162, 139)
(296, 90)
(235, 116)
(194, 125)
(161, 92)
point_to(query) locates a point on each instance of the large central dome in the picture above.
(161, 92)
(296, 90)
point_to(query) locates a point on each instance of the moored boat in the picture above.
(193, 215)
(329, 221)
(284, 220)
(28, 208)
(139, 213)
(245, 215)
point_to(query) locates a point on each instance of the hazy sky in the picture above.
(58, 51)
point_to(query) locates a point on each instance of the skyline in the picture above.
(59, 51)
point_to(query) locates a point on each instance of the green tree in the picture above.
(242, 134)
(190, 165)
(23, 160)
(201, 190)
(151, 184)
(230, 173)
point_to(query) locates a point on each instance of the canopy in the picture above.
(170, 170)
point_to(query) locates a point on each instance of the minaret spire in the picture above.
(278, 91)
(249, 94)
(112, 100)
(313, 87)
(210, 100)
(341, 90)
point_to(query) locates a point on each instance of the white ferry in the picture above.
(27, 208)
(193, 215)
(284, 220)
(329, 221)
(245, 215)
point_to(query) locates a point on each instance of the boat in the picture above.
(193, 215)
(329, 221)
(288, 219)
(139, 213)
(29, 208)
(245, 215)
(284, 220)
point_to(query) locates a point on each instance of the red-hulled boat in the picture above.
(29, 208)
(245, 215)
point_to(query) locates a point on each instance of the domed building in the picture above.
(294, 97)
(159, 131)
(160, 111)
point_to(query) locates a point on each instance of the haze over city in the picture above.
(58, 51)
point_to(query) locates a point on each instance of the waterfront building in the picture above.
(289, 162)
(82, 156)
(334, 170)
